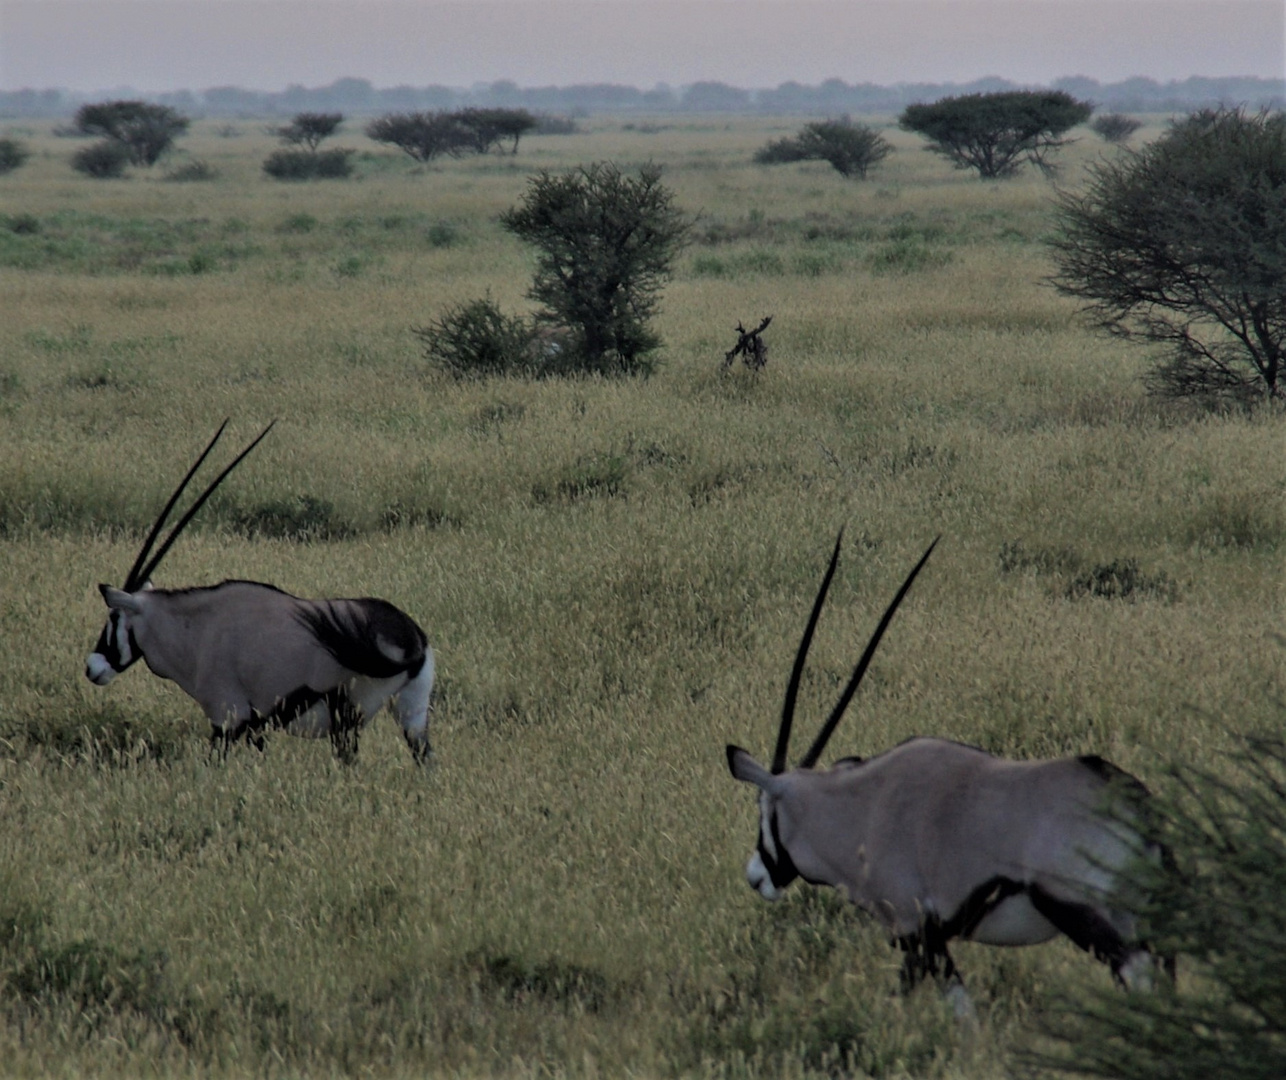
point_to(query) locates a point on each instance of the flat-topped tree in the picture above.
(147, 131)
(996, 133)
(310, 129)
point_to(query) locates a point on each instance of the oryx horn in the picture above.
(792, 688)
(143, 566)
(823, 736)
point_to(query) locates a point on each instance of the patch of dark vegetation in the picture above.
(1016, 557)
(409, 515)
(106, 736)
(591, 476)
(302, 518)
(23, 224)
(553, 981)
(1120, 579)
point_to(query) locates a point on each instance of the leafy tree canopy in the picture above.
(605, 243)
(996, 133)
(850, 148)
(310, 129)
(147, 131)
(1183, 244)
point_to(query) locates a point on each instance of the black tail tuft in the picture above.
(370, 637)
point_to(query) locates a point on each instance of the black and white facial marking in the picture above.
(770, 868)
(116, 649)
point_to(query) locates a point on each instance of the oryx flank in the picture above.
(254, 657)
(939, 841)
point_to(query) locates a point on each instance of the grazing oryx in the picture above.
(254, 657)
(939, 841)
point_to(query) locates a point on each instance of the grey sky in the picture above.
(155, 45)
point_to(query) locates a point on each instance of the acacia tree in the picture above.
(605, 245)
(851, 149)
(422, 136)
(491, 126)
(146, 131)
(996, 133)
(309, 129)
(1183, 244)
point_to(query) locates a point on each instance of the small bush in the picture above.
(104, 160)
(305, 165)
(1115, 127)
(851, 149)
(476, 339)
(12, 155)
(1122, 579)
(301, 518)
(23, 224)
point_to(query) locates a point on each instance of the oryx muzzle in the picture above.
(939, 840)
(255, 657)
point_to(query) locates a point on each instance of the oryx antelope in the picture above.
(939, 840)
(255, 657)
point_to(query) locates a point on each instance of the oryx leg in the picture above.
(413, 703)
(927, 955)
(1090, 930)
(345, 724)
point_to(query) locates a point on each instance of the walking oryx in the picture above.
(939, 840)
(254, 657)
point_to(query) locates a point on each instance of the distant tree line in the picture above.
(834, 97)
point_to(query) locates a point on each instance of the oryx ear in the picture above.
(744, 767)
(119, 600)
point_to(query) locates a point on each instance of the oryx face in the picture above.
(117, 647)
(770, 868)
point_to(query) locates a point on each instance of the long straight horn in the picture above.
(146, 572)
(823, 736)
(792, 688)
(133, 579)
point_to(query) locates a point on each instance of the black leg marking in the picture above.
(926, 954)
(1085, 926)
(421, 752)
(345, 724)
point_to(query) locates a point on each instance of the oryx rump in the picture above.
(939, 840)
(255, 657)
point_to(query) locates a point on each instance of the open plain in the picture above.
(613, 574)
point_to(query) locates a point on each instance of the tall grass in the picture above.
(613, 574)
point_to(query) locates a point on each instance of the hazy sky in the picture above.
(154, 45)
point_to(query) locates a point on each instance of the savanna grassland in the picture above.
(613, 575)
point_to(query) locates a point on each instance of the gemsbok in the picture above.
(255, 657)
(939, 840)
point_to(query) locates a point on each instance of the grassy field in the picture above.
(614, 576)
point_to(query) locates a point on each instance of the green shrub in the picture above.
(306, 165)
(476, 339)
(12, 155)
(103, 160)
(1215, 906)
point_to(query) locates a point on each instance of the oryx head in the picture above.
(771, 868)
(117, 647)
